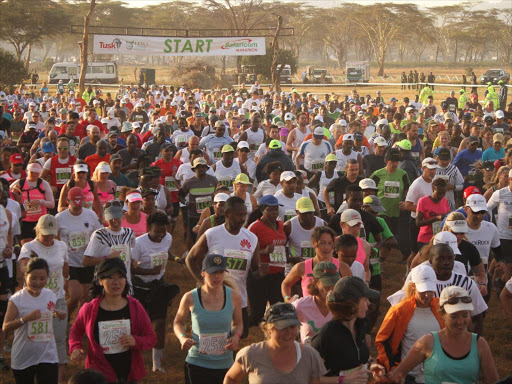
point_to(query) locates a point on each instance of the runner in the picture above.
(80, 179)
(134, 218)
(287, 197)
(105, 188)
(241, 186)
(215, 310)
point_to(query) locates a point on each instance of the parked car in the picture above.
(494, 75)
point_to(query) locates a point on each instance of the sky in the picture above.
(486, 4)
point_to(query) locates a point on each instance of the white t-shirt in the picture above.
(342, 159)
(251, 167)
(179, 137)
(484, 238)
(422, 322)
(55, 255)
(418, 189)
(104, 241)
(357, 270)
(149, 254)
(288, 205)
(509, 285)
(76, 232)
(26, 351)
(502, 199)
(239, 249)
(314, 155)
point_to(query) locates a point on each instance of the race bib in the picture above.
(278, 257)
(170, 183)
(123, 248)
(41, 330)
(202, 203)
(217, 154)
(53, 281)
(289, 214)
(158, 259)
(415, 155)
(62, 175)
(78, 240)
(32, 208)
(213, 343)
(109, 334)
(331, 198)
(436, 227)
(236, 261)
(118, 191)
(392, 189)
(306, 250)
(317, 165)
(227, 181)
(181, 140)
(444, 177)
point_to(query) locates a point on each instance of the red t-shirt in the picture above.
(169, 170)
(267, 236)
(97, 123)
(92, 161)
(429, 208)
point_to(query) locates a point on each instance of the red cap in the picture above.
(76, 196)
(498, 164)
(16, 159)
(471, 191)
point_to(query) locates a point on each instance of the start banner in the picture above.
(178, 46)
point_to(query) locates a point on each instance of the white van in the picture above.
(286, 74)
(97, 72)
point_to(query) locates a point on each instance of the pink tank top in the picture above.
(361, 254)
(308, 274)
(89, 196)
(140, 228)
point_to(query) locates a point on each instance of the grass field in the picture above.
(497, 331)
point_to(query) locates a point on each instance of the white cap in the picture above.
(319, 118)
(220, 197)
(409, 109)
(45, 98)
(89, 127)
(451, 292)
(133, 197)
(424, 278)
(382, 122)
(318, 131)
(138, 105)
(288, 116)
(447, 238)
(95, 101)
(242, 144)
(348, 137)
(367, 184)
(500, 114)
(32, 104)
(380, 141)
(477, 203)
(458, 226)
(136, 125)
(80, 168)
(287, 176)
(351, 217)
(102, 168)
(360, 113)
(239, 99)
(430, 163)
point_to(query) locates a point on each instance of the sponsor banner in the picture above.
(178, 46)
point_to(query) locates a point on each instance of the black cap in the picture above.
(473, 139)
(146, 171)
(148, 191)
(282, 315)
(392, 154)
(115, 156)
(213, 263)
(358, 136)
(489, 165)
(110, 266)
(351, 287)
(444, 153)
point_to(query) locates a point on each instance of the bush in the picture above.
(194, 73)
(12, 72)
(47, 64)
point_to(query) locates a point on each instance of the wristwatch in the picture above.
(22, 321)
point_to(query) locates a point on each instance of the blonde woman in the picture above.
(105, 188)
(443, 141)
(499, 181)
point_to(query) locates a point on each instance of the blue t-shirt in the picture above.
(491, 154)
(465, 159)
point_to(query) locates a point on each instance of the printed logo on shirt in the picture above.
(51, 306)
(245, 244)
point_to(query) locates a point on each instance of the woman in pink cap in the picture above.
(134, 218)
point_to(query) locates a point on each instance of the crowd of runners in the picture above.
(290, 203)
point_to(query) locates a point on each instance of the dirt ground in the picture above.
(497, 331)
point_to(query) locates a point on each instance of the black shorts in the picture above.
(5, 281)
(28, 229)
(195, 374)
(84, 275)
(175, 209)
(155, 303)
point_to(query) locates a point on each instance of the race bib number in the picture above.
(278, 257)
(32, 208)
(289, 214)
(317, 165)
(415, 155)
(118, 191)
(181, 140)
(123, 248)
(41, 330)
(217, 153)
(436, 227)
(109, 334)
(236, 261)
(158, 259)
(331, 198)
(78, 240)
(213, 343)
(53, 281)
(306, 250)
(170, 183)
(202, 203)
(392, 189)
(444, 177)
(227, 181)
(62, 175)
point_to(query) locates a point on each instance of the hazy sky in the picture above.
(329, 3)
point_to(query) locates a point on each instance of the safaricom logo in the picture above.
(242, 45)
(115, 44)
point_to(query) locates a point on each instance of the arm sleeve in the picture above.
(76, 334)
(383, 335)
(146, 339)
(494, 200)
(49, 201)
(458, 180)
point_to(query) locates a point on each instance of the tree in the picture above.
(84, 47)
(26, 22)
(264, 63)
(276, 72)
(11, 72)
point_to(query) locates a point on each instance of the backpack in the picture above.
(38, 186)
(72, 183)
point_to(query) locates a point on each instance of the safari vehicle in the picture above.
(97, 72)
(286, 74)
(318, 76)
(357, 71)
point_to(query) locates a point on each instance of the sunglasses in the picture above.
(114, 203)
(456, 299)
(66, 148)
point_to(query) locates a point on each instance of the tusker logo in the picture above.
(241, 45)
(115, 44)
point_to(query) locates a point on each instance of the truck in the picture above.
(357, 71)
(97, 72)
(494, 75)
(286, 74)
(318, 76)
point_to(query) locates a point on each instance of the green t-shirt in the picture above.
(333, 115)
(391, 189)
(386, 234)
